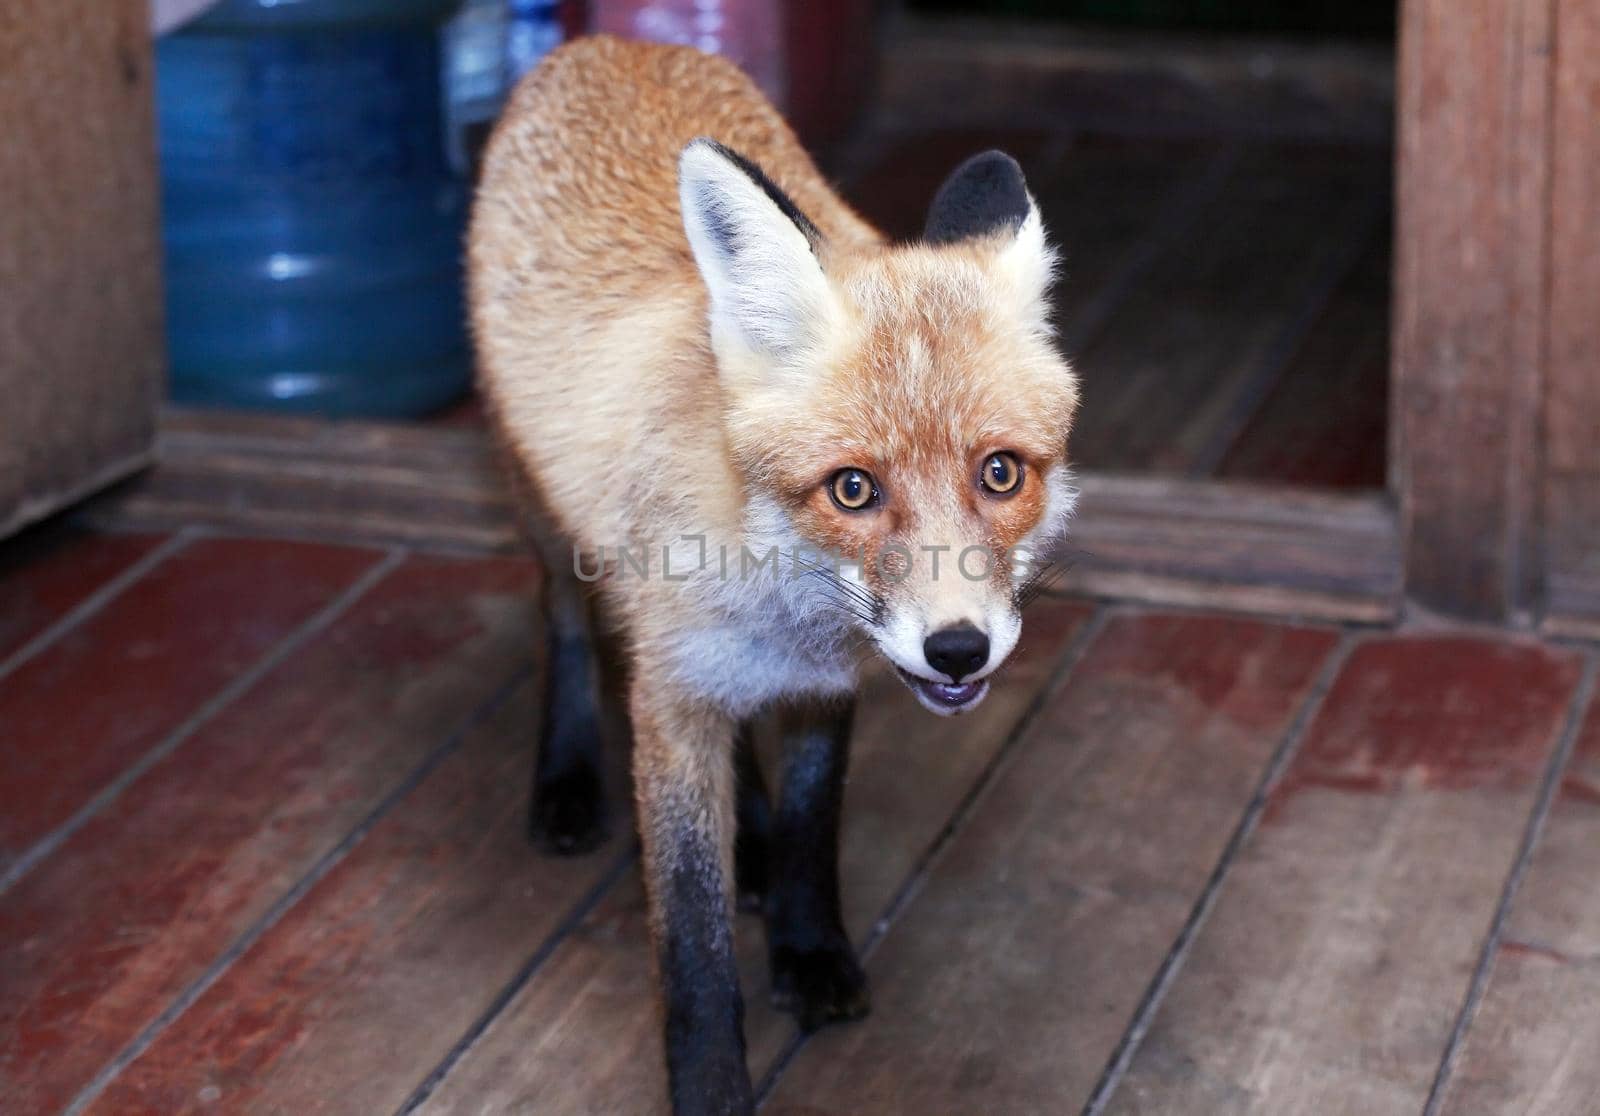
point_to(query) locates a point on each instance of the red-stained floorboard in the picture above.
(1017, 968)
(421, 926)
(1532, 1043)
(105, 933)
(53, 569)
(1332, 971)
(78, 713)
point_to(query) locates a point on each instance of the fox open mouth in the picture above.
(945, 698)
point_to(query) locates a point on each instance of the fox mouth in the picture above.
(945, 698)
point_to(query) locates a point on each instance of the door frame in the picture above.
(1495, 406)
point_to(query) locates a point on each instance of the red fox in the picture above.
(785, 443)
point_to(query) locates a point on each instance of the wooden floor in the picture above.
(262, 850)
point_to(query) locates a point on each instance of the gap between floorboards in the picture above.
(1144, 1014)
(1582, 696)
(320, 621)
(286, 902)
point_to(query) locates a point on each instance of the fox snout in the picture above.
(947, 664)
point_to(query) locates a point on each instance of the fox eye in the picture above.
(853, 489)
(1002, 474)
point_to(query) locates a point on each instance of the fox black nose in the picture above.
(957, 651)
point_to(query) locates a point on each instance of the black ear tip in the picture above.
(755, 174)
(711, 144)
(983, 195)
(993, 161)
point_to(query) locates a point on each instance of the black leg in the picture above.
(683, 778)
(815, 973)
(569, 815)
(752, 846)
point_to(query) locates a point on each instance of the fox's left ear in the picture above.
(987, 197)
(756, 252)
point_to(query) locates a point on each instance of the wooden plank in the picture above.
(112, 688)
(81, 353)
(991, 73)
(369, 482)
(366, 482)
(1329, 975)
(1324, 424)
(1572, 585)
(1194, 344)
(98, 940)
(1007, 985)
(583, 1035)
(1250, 547)
(1471, 243)
(1110, 207)
(1162, 540)
(1531, 1046)
(1572, 391)
(410, 938)
(47, 573)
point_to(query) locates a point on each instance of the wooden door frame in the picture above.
(1493, 502)
(1495, 412)
(1471, 245)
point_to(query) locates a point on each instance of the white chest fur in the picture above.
(765, 635)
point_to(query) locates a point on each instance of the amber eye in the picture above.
(853, 490)
(1002, 474)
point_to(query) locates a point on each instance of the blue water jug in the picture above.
(313, 226)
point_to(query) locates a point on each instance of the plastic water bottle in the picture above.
(535, 31)
(312, 222)
(474, 77)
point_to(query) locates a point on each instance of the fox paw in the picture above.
(819, 986)
(569, 813)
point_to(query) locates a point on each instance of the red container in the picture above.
(816, 60)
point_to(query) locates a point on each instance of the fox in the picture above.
(698, 359)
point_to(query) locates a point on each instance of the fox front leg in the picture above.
(815, 973)
(683, 777)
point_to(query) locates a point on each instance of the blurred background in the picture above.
(1216, 174)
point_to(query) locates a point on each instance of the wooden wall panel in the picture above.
(1572, 396)
(1471, 239)
(81, 352)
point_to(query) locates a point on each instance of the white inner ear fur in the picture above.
(1028, 264)
(768, 292)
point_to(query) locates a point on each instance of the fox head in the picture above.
(903, 406)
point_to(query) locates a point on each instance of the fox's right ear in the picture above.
(986, 198)
(756, 252)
